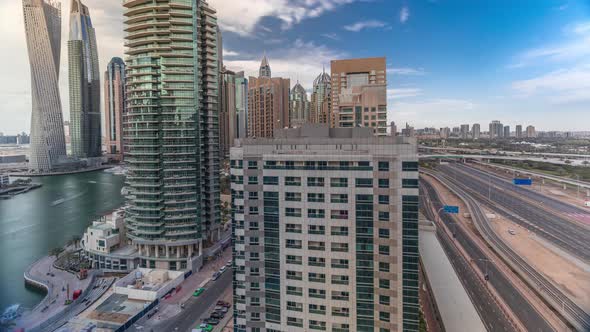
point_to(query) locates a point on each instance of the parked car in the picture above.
(223, 304)
(211, 321)
(199, 291)
(216, 276)
(217, 315)
(229, 263)
(206, 327)
(223, 268)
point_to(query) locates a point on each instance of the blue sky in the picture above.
(449, 61)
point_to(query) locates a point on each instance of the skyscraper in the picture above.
(268, 103)
(241, 105)
(326, 231)
(518, 131)
(299, 110)
(171, 130)
(43, 33)
(476, 131)
(530, 132)
(506, 131)
(227, 111)
(359, 93)
(464, 131)
(264, 70)
(320, 105)
(114, 107)
(496, 129)
(84, 83)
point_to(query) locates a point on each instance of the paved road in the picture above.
(196, 308)
(507, 200)
(490, 313)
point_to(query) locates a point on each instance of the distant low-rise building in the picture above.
(4, 180)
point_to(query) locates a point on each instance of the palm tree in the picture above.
(56, 252)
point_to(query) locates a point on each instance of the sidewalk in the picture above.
(56, 285)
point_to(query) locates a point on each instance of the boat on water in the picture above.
(11, 313)
(58, 202)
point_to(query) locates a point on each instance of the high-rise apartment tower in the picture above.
(299, 111)
(359, 93)
(321, 96)
(325, 231)
(171, 130)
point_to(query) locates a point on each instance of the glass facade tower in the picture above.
(171, 130)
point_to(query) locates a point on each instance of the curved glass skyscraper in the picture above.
(84, 79)
(171, 130)
(43, 31)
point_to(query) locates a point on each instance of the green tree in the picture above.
(56, 252)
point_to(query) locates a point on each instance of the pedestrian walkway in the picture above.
(56, 282)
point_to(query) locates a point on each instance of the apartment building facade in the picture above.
(359, 93)
(325, 230)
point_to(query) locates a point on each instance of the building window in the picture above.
(340, 312)
(292, 321)
(297, 291)
(339, 198)
(293, 197)
(410, 183)
(316, 245)
(340, 280)
(340, 295)
(316, 213)
(293, 212)
(316, 261)
(384, 250)
(252, 164)
(384, 233)
(339, 263)
(255, 301)
(317, 277)
(253, 210)
(384, 166)
(410, 166)
(292, 181)
(384, 283)
(383, 183)
(339, 182)
(339, 214)
(315, 197)
(317, 309)
(364, 183)
(383, 216)
(384, 316)
(252, 195)
(339, 231)
(271, 180)
(383, 267)
(292, 259)
(293, 228)
(383, 199)
(293, 244)
(317, 293)
(252, 180)
(315, 182)
(255, 316)
(339, 247)
(294, 275)
(317, 325)
(317, 230)
(384, 300)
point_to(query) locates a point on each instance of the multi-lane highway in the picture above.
(491, 314)
(562, 303)
(515, 203)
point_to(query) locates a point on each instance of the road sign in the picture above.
(451, 209)
(523, 182)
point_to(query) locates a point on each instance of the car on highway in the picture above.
(205, 327)
(215, 276)
(199, 291)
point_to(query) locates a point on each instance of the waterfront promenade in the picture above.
(42, 274)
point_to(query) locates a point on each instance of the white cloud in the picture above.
(406, 71)
(404, 14)
(332, 36)
(241, 16)
(401, 93)
(559, 86)
(227, 52)
(575, 46)
(300, 60)
(369, 24)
